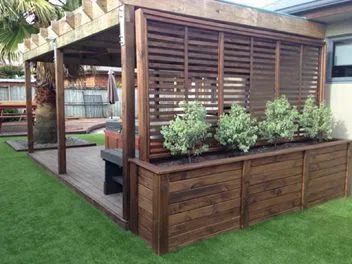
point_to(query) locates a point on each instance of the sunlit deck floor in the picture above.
(85, 174)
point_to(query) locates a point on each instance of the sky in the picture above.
(255, 3)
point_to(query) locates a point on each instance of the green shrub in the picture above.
(316, 121)
(280, 121)
(237, 129)
(187, 133)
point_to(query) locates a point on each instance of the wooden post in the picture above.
(160, 241)
(60, 110)
(277, 68)
(221, 73)
(127, 28)
(29, 106)
(322, 68)
(300, 76)
(244, 193)
(305, 179)
(185, 71)
(143, 82)
(133, 219)
(348, 185)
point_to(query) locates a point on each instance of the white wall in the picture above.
(339, 98)
(339, 95)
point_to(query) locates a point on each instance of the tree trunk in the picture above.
(45, 126)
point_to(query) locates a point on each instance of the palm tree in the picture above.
(14, 29)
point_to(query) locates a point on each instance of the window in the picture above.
(342, 59)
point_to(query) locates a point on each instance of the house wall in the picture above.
(339, 94)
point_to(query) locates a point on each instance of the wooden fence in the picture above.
(187, 59)
(83, 103)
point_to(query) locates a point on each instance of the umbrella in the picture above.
(112, 90)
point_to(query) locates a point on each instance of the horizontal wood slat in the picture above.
(187, 203)
(187, 62)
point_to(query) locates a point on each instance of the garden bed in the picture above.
(176, 205)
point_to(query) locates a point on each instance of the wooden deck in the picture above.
(85, 174)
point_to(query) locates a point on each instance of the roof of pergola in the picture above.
(89, 34)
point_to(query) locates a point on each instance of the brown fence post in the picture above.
(244, 193)
(160, 240)
(133, 221)
(305, 178)
(348, 185)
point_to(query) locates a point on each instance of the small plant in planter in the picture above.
(280, 121)
(237, 130)
(316, 121)
(186, 134)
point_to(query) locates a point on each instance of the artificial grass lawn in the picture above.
(42, 221)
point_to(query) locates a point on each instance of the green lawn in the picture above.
(42, 221)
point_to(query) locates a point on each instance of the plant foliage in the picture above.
(187, 133)
(280, 121)
(237, 129)
(316, 121)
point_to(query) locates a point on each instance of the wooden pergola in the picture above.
(177, 45)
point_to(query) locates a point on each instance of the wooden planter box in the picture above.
(179, 205)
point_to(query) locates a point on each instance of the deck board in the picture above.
(85, 174)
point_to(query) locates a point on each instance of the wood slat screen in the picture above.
(182, 60)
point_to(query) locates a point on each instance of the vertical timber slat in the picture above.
(244, 193)
(221, 47)
(143, 84)
(300, 76)
(348, 186)
(251, 65)
(128, 95)
(133, 219)
(277, 68)
(160, 236)
(186, 81)
(305, 178)
(60, 108)
(322, 68)
(29, 107)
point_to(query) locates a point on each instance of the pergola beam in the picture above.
(60, 110)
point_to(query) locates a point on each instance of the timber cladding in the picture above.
(178, 205)
(217, 64)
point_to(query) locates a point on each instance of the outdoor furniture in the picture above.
(113, 134)
(13, 105)
(113, 170)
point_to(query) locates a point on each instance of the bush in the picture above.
(316, 121)
(237, 129)
(280, 121)
(187, 133)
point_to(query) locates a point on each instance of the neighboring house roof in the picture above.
(324, 11)
(298, 6)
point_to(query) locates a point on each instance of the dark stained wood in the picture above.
(29, 106)
(60, 110)
(244, 193)
(221, 74)
(143, 81)
(322, 67)
(85, 175)
(133, 219)
(277, 68)
(305, 178)
(183, 60)
(128, 100)
(160, 241)
(198, 201)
